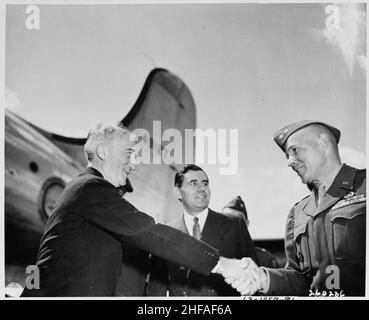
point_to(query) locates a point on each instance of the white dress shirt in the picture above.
(188, 218)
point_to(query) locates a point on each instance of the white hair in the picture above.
(103, 133)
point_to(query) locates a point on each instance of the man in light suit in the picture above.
(228, 234)
(81, 250)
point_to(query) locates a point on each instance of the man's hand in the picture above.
(243, 275)
(254, 279)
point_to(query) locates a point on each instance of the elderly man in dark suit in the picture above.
(325, 231)
(81, 250)
(228, 234)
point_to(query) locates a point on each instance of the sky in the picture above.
(251, 67)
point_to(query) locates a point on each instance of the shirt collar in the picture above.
(328, 183)
(188, 218)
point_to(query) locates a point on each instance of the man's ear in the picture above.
(323, 141)
(101, 151)
(177, 193)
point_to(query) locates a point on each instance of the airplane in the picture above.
(38, 165)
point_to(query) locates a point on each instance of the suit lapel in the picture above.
(210, 231)
(329, 200)
(310, 206)
(204, 236)
(343, 182)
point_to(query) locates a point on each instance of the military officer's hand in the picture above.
(252, 279)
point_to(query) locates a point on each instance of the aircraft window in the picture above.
(50, 192)
(33, 166)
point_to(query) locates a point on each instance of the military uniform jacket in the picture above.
(265, 258)
(81, 250)
(229, 235)
(323, 240)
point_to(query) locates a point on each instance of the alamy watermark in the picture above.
(32, 282)
(211, 146)
(332, 284)
(170, 147)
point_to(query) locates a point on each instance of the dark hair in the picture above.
(178, 179)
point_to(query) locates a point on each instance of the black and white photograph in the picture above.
(160, 150)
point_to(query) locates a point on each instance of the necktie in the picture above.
(196, 232)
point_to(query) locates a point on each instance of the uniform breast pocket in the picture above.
(302, 248)
(348, 231)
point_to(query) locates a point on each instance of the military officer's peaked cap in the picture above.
(281, 136)
(237, 204)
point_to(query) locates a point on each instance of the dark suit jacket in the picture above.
(266, 259)
(81, 250)
(135, 268)
(228, 234)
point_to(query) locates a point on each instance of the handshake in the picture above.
(243, 275)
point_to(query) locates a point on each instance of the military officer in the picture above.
(237, 207)
(325, 232)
